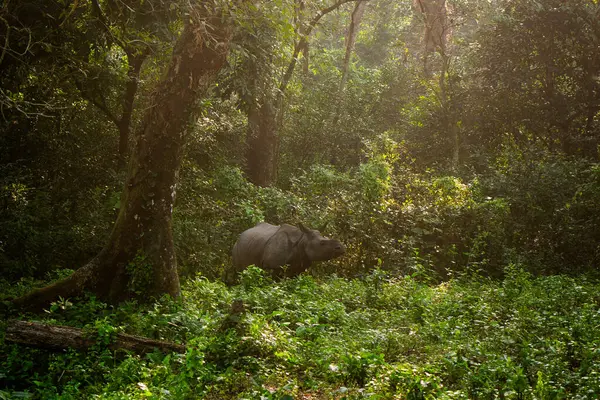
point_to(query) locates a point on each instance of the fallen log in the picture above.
(57, 337)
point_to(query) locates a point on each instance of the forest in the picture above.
(450, 149)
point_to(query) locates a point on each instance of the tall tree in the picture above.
(539, 67)
(435, 37)
(353, 28)
(258, 69)
(99, 47)
(435, 18)
(263, 147)
(136, 28)
(139, 255)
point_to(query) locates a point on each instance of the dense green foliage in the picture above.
(539, 214)
(376, 338)
(381, 174)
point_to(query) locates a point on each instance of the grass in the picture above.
(332, 338)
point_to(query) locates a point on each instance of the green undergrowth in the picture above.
(379, 337)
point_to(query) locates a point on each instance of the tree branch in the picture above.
(103, 107)
(6, 39)
(135, 62)
(353, 29)
(304, 42)
(104, 22)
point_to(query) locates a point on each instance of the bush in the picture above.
(381, 336)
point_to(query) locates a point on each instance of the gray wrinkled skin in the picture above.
(271, 247)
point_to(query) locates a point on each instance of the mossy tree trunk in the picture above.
(139, 258)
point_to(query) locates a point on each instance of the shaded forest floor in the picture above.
(331, 338)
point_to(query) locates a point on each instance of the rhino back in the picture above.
(282, 248)
(250, 246)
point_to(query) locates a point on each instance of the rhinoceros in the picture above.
(272, 246)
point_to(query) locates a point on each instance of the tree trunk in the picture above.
(261, 134)
(261, 142)
(133, 75)
(436, 35)
(436, 31)
(353, 29)
(136, 55)
(139, 257)
(55, 337)
(298, 31)
(265, 116)
(450, 124)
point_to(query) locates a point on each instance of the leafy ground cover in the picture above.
(378, 337)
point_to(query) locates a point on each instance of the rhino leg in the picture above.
(297, 267)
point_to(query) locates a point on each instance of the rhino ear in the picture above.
(304, 229)
(323, 227)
